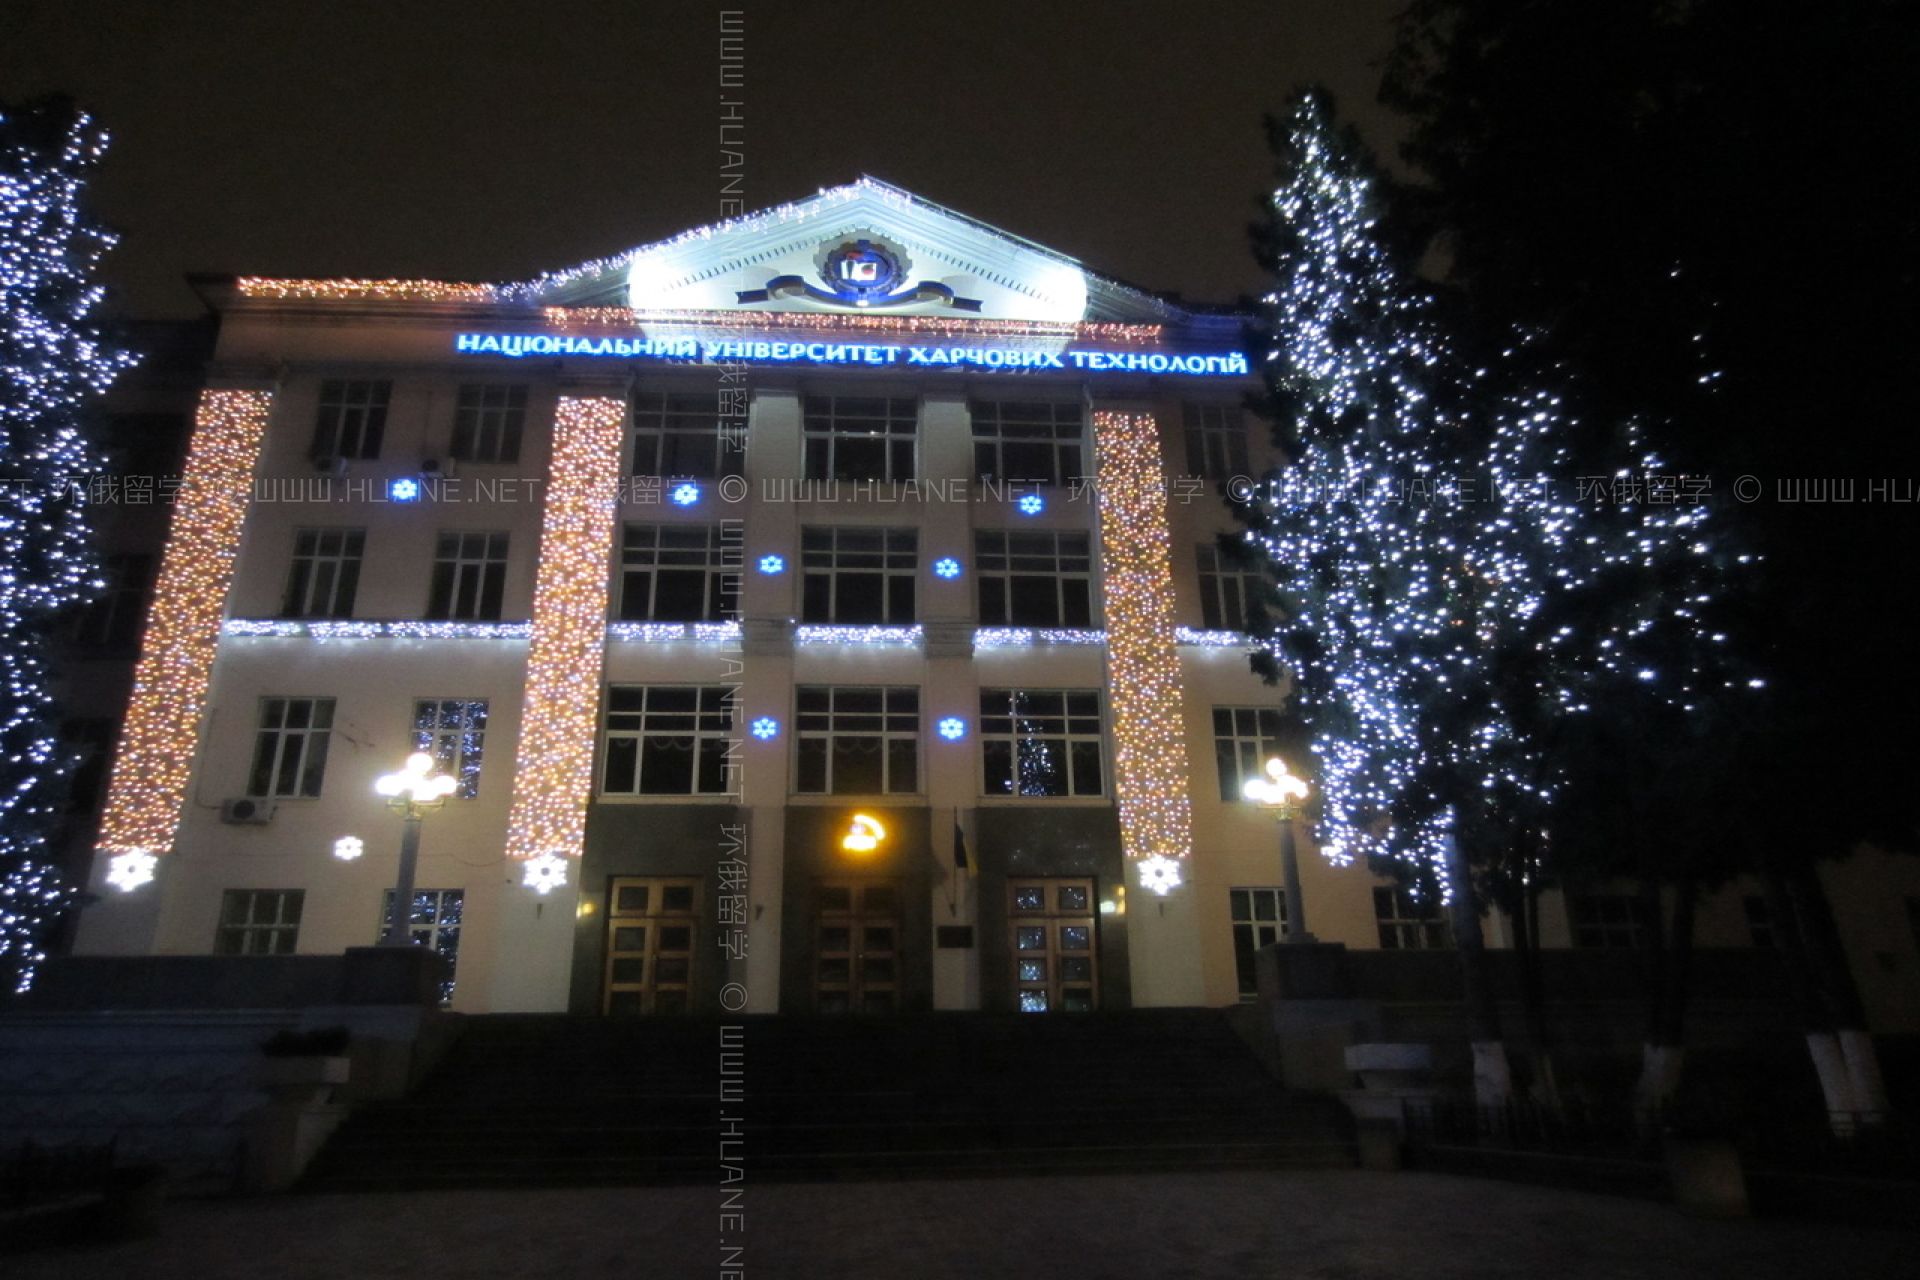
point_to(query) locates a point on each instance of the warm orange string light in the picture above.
(1143, 666)
(346, 289)
(170, 683)
(553, 777)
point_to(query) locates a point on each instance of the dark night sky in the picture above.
(492, 141)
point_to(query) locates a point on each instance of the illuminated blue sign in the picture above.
(990, 359)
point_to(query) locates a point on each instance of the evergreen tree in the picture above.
(55, 360)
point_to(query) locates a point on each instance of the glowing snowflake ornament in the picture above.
(765, 728)
(1032, 505)
(772, 564)
(946, 567)
(128, 871)
(686, 495)
(1159, 875)
(347, 848)
(546, 873)
(953, 728)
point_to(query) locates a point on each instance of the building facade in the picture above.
(817, 612)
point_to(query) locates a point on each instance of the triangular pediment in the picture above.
(865, 248)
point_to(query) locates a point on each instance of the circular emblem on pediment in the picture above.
(861, 267)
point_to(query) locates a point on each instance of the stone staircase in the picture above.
(534, 1100)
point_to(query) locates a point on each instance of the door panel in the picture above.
(857, 947)
(1056, 968)
(652, 922)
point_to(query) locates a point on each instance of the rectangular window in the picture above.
(325, 573)
(678, 573)
(667, 740)
(1216, 441)
(1259, 920)
(454, 732)
(857, 741)
(858, 575)
(353, 418)
(1225, 591)
(680, 434)
(1038, 579)
(469, 576)
(860, 437)
(1608, 920)
(487, 421)
(290, 749)
(1027, 441)
(89, 742)
(434, 922)
(1409, 923)
(1041, 742)
(111, 621)
(258, 922)
(1244, 739)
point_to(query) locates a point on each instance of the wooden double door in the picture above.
(1052, 937)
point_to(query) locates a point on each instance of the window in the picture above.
(469, 576)
(1409, 923)
(434, 922)
(1244, 739)
(1039, 579)
(1216, 441)
(668, 740)
(679, 434)
(111, 621)
(859, 437)
(1760, 926)
(258, 922)
(1259, 920)
(678, 573)
(1041, 742)
(858, 575)
(454, 732)
(857, 741)
(1608, 920)
(1225, 592)
(1016, 441)
(353, 418)
(325, 573)
(290, 750)
(487, 422)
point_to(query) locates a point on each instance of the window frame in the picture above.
(115, 620)
(827, 430)
(1413, 925)
(477, 422)
(356, 405)
(1216, 439)
(1226, 592)
(1250, 926)
(438, 934)
(308, 556)
(310, 767)
(669, 427)
(991, 440)
(712, 726)
(719, 569)
(821, 555)
(898, 732)
(485, 572)
(235, 937)
(1001, 704)
(1616, 921)
(997, 579)
(1257, 727)
(459, 748)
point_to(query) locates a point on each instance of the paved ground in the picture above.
(1318, 1225)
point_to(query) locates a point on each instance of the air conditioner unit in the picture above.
(330, 466)
(431, 467)
(247, 811)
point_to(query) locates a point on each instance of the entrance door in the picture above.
(650, 929)
(857, 947)
(1050, 923)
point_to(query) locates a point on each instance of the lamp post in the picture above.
(413, 793)
(1280, 793)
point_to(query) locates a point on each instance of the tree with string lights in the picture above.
(55, 360)
(1365, 532)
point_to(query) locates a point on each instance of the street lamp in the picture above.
(413, 793)
(1280, 794)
